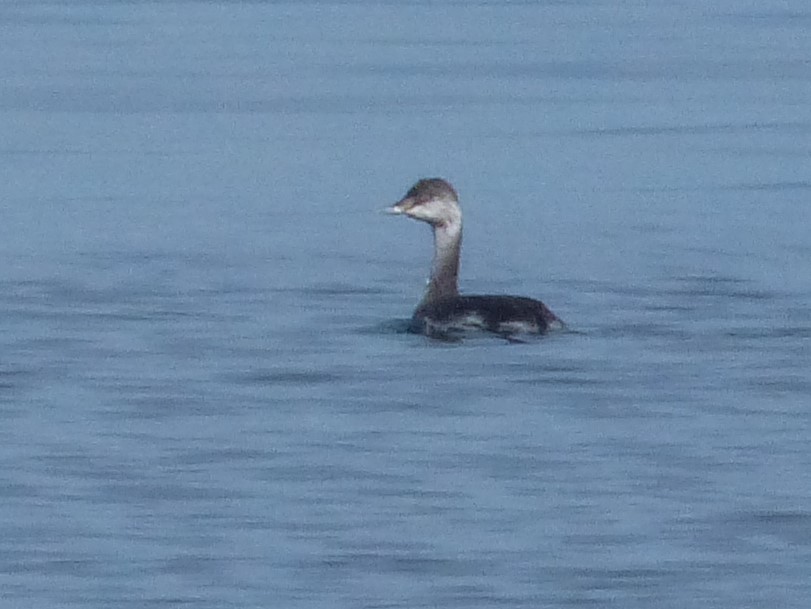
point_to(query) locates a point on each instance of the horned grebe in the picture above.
(443, 311)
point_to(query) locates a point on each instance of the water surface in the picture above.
(204, 397)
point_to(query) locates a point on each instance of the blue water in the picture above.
(204, 398)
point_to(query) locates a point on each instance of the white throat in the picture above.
(445, 267)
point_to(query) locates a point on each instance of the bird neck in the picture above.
(445, 267)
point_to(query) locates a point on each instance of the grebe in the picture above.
(443, 311)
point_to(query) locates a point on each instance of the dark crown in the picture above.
(428, 189)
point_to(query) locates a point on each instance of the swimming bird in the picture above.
(443, 312)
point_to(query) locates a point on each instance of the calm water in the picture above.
(204, 400)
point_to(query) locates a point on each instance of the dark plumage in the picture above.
(494, 313)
